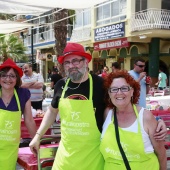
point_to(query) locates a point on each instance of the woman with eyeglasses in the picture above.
(14, 101)
(127, 140)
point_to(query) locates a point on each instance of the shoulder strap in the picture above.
(119, 144)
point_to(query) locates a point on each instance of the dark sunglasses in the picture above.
(141, 66)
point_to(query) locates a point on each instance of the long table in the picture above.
(161, 99)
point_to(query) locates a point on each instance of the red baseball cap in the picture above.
(74, 49)
(10, 64)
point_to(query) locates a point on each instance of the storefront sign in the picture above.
(118, 43)
(109, 32)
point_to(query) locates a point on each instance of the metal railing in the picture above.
(77, 35)
(38, 38)
(150, 19)
(82, 34)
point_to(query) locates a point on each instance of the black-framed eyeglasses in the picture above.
(122, 89)
(74, 62)
(141, 66)
(10, 76)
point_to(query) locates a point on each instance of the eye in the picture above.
(66, 62)
(113, 90)
(125, 88)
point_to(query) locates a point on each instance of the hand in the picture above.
(34, 145)
(142, 75)
(161, 130)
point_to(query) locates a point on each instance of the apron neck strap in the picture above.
(137, 115)
(90, 92)
(16, 97)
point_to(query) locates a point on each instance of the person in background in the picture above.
(162, 80)
(105, 72)
(139, 75)
(34, 82)
(98, 72)
(115, 67)
(14, 102)
(136, 127)
(55, 77)
(49, 74)
(79, 99)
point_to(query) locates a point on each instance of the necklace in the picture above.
(74, 87)
(6, 100)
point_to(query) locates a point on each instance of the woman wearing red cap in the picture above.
(14, 101)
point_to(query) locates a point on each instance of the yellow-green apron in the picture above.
(133, 147)
(9, 136)
(80, 137)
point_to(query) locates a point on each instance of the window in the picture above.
(166, 4)
(141, 5)
(83, 18)
(115, 11)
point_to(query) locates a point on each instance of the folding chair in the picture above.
(46, 153)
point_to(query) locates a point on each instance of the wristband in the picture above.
(38, 133)
(158, 118)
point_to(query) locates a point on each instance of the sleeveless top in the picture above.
(133, 128)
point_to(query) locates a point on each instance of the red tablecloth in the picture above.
(160, 112)
(26, 158)
(24, 131)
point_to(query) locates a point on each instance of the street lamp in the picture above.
(32, 46)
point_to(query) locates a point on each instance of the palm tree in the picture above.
(61, 30)
(12, 47)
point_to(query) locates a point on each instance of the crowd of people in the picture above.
(104, 125)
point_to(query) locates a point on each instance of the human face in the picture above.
(105, 69)
(114, 69)
(139, 66)
(27, 70)
(8, 79)
(120, 97)
(75, 67)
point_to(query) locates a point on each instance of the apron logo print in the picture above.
(9, 124)
(75, 115)
(124, 145)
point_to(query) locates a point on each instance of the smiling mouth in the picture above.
(119, 98)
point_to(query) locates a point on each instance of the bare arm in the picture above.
(158, 81)
(28, 119)
(141, 76)
(150, 125)
(47, 121)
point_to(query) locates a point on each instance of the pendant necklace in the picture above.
(74, 87)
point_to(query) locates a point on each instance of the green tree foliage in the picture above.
(12, 47)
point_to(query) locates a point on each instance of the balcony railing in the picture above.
(83, 34)
(150, 19)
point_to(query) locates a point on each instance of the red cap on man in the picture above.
(74, 49)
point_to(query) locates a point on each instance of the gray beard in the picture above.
(77, 76)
